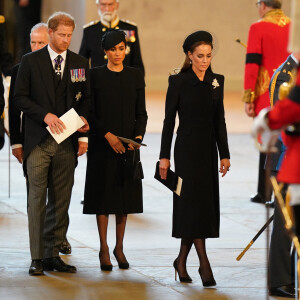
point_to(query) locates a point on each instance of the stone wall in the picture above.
(163, 25)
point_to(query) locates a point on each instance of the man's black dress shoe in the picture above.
(36, 267)
(65, 247)
(258, 198)
(56, 263)
(287, 291)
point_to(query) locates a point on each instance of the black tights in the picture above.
(185, 247)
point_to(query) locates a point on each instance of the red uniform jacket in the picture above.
(266, 51)
(284, 113)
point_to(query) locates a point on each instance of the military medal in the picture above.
(78, 75)
(130, 36)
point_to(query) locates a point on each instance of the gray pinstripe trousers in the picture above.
(49, 166)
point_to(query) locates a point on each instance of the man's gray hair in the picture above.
(272, 3)
(97, 1)
(39, 26)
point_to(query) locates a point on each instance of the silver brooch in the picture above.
(215, 83)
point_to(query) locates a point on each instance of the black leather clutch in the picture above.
(173, 181)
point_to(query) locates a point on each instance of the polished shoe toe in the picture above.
(258, 198)
(36, 267)
(65, 247)
(287, 291)
(57, 264)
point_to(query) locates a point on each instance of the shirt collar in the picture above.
(114, 23)
(53, 54)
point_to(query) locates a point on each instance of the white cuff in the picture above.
(295, 194)
(15, 146)
(83, 139)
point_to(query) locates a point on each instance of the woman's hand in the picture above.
(132, 147)
(115, 143)
(224, 166)
(164, 165)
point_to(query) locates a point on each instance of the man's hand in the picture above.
(82, 148)
(19, 154)
(115, 143)
(250, 109)
(164, 165)
(54, 123)
(23, 3)
(85, 127)
(261, 130)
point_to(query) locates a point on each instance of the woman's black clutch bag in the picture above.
(173, 181)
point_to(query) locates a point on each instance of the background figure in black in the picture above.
(281, 264)
(2, 103)
(28, 13)
(93, 32)
(196, 94)
(117, 109)
(5, 57)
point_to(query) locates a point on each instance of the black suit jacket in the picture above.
(35, 95)
(16, 130)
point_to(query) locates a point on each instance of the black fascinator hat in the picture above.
(198, 36)
(112, 38)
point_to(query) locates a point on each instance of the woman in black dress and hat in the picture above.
(113, 185)
(196, 94)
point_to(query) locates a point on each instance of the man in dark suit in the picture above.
(93, 32)
(38, 40)
(281, 269)
(51, 81)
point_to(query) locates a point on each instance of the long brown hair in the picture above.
(187, 62)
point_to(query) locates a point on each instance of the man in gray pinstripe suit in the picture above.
(50, 81)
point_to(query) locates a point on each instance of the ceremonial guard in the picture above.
(266, 51)
(284, 115)
(281, 268)
(93, 32)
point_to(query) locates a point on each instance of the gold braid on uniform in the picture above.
(248, 96)
(273, 89)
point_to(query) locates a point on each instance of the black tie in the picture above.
(58, 60)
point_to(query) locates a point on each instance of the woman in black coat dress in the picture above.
(118, 109)
(196, 94)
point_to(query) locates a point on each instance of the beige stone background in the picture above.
(163, 25)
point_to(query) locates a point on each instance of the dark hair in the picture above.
(187, 63)
(276, 4)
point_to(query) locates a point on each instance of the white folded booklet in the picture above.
(72, 122)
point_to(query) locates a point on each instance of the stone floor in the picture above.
(148, 243)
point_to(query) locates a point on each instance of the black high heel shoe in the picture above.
(105, 267)
(122, 265)
(182, 279)
(207, 283)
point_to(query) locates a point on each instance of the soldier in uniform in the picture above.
(284, 113)
(266, 50)
(93, 32)
(281, 266)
